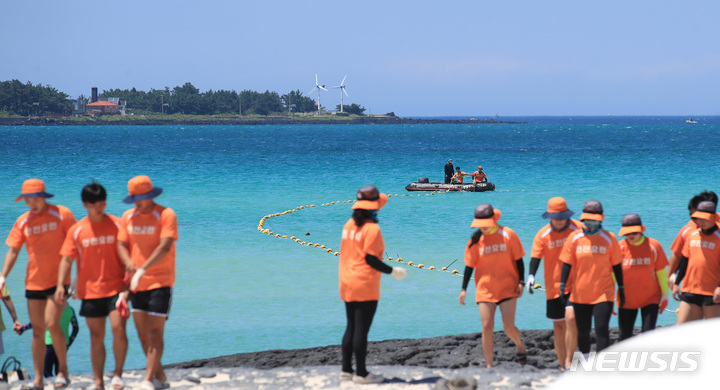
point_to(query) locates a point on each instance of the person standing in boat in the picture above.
(449, 171)
(548, 244)
(457, 178)
(495, 253)
(360, 268)
(479, 176)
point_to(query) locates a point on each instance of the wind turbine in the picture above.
(342, 90)
(318, 87)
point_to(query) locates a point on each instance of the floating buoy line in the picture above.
(262, 229)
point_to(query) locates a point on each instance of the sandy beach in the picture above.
(430, 363)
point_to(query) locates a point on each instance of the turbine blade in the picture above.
(312, 90)
(343, 82)
(316, 79)
(322, 87)
(345, 92)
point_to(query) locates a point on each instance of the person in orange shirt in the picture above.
(547, 244)
(646, 282)
(361, 265)
(698, 274)
(99, 283)
(479, 176)
(495, 253)
(677, 245)
(146, 245)
(42, 229)
(458, 176)
(595, 255)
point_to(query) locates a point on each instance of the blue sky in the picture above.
(415, 58)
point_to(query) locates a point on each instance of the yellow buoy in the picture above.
(432, 267)
(421, 266)
(390, 258)
(444, 268)
(322, 246)
(537, 286)
(455, 271)
(329, 251)
(410, 263)
(400, 259)
(278, 235)
(337, 253)
(303, 243)
(284, 236)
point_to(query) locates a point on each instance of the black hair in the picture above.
(360, 216)
(705, 195)
(475, 237)
(93, 192)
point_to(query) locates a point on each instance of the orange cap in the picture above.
(141, 187)
(706, 210)
(485, 216)
(592, 210)
(33, 188)
(369, 198)
(631, 223)
(557, 209)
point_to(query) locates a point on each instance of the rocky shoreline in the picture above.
(269, 120)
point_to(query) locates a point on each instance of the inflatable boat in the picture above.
(423, 184)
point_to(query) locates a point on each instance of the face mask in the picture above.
(591, 227)
(373, 215)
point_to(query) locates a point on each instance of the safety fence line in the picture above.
(262, 229)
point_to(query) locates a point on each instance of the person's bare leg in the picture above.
(96, 325)
(36, 312)
(487, 317)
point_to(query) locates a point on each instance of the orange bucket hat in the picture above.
(557, 209)
(631, 223)
(485, 216)
(706, 210)
(369, 198)
(33, 188)
(592, 210)
(140, 188)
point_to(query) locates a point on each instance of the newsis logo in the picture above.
(626, 361)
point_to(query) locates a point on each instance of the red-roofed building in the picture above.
(102, 108)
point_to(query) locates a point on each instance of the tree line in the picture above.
(21, 99)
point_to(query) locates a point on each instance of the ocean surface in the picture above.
(239, 290)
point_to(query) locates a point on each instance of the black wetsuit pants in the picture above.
(584, 315)
(359, 318)
(626, 319)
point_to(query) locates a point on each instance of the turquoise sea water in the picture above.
(239, 290)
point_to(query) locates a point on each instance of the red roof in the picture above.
(102, 103)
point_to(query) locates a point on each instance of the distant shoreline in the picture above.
(254, 120)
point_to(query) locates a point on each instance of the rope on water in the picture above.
(262, 229)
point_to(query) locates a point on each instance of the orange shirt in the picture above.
(679, 242)
(478, 176)
(459, 176)
(44, 235)
(143, 232)
(99, 270)
(594, 257)
(703, 270)
(494, 259)
(639, 264)
(359, 282)
(548, 244)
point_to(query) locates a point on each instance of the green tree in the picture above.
(17, 98)
(354, 109)
(301, 103)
